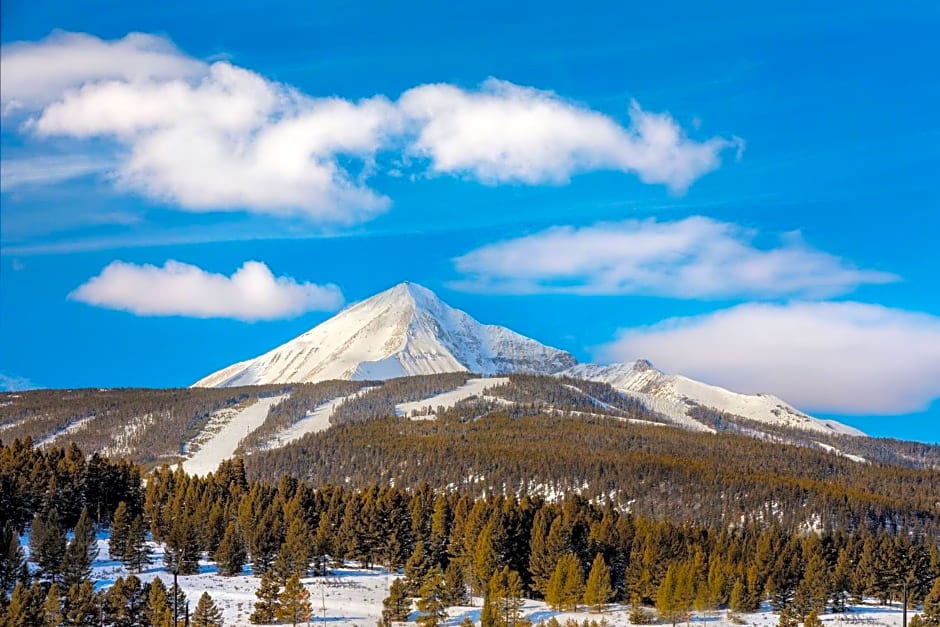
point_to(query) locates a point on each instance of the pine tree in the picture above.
(639, 615)
(566, 586)
(814, 588)
(124, 602)
(26, 606)
(120, 525)
(81, 606)
(176, 601)
(416, 568)
(47, 544)
(231, 555)
(293, 558)
(81, 552)
(455, 584)
(294, 605)
(397, 605)
(207, 613)
(597, 591)
(931, 613)
(158, 611)
(431, 599)
(137, 551)
(672, 597)
(812, 620)
(52, 615)
(267, 604)
(12, 559)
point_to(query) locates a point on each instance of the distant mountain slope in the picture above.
(406, 330)
(675, 395)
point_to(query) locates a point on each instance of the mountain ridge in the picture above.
(407, 330)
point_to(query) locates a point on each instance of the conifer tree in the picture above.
(137, 552)
(81, 552)
(176, 601)
(81, 607)
(294, 602)
(397, 605)
(431, 599)
(597, 591)
(812, 620)
(120, 525)
(158, 611)
(124, 602)
(293, 558)
(52, 615)
(207, 613)
(566, 586)
(931, 613)
(417, 567)
(47, 544)
(12, 559)
(267, 604)
(26, 606)
(672, 595)
(455, 584)
(639, 615)
(814, 588)
(231, 555)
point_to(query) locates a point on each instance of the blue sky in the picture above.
(743, 193)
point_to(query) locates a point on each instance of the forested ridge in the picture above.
(156, 426)
(444, 540)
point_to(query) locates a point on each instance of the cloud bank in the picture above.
(846, 357)
(179, 289)
(211, 137)
(506, 133)
(697, 257)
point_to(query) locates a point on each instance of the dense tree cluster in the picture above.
(380, 401)
(575, 553)
(659, 471)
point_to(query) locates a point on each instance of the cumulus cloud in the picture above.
(510, 133)
(217, 137)
(35, 73)
(844, 357)
(179, 289)
(232, 141)
(697, 257)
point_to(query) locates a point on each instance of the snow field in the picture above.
(222, 444)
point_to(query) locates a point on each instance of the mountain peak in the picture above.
(402, 331)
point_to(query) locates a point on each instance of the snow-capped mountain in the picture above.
(406, 330)
(674, 395)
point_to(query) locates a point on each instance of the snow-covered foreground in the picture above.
(221, 444)
(473, 387)
(353, 596)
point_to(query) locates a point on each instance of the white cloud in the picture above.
(35, 73)
(49, 170)
(692, 258)
(179, 289)
(216, 137)
(509, 133)
(846, 357)
(233, 141)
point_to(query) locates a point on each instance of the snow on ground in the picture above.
(222, 443)
(473, 387)
(353, 596)
(832, 449)
(315, 421)
(70, 428)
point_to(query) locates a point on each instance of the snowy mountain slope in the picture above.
(403, 331)
(674, 395)
(223, 439)
(407, 330)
